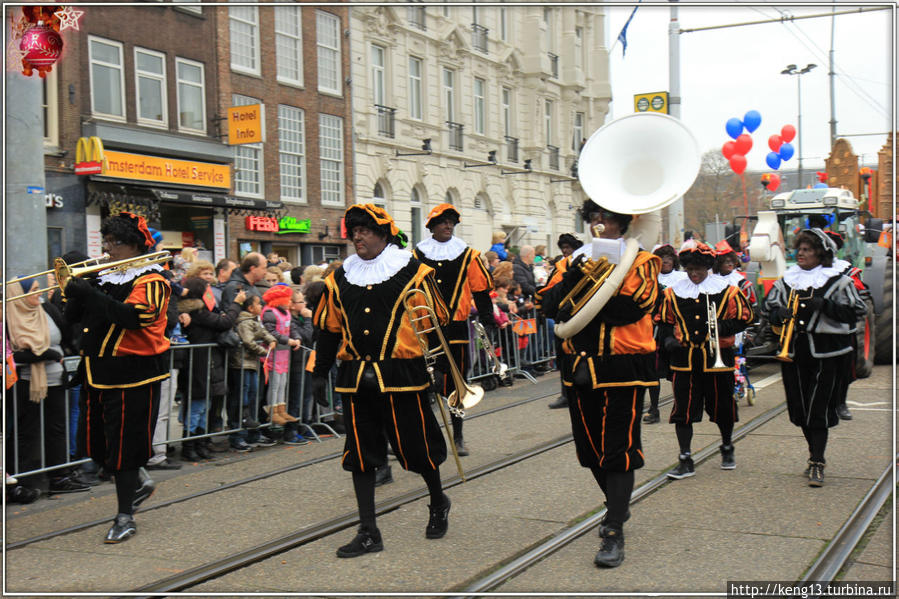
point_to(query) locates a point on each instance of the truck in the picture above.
(771, 253)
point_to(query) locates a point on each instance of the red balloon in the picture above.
(728, 149)
(743, 144)
(787, 133)
(738, 163)
(773, 182)
(774, 142)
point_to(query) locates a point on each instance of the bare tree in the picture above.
(718, 191)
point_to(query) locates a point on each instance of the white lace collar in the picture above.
(442, 250)
(687, 289)
(119, 277)
(361, 272)
(670, 278)
(799, 278)
(841, 265)
(734, 278)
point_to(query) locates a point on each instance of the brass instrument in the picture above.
(63, 272)
(471, 394)
(786, 332)
(499, 369)
(595, 274)
(714, 341)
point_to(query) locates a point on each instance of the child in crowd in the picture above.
(256, 342)
(300, 400)
(276, 320)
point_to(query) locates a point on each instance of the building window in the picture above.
(449, 94)
(507, 111)
(50, 108)
(479, 108)
(191, 95)
(107, 78)
(289, 44)
(577, 136)
(415, 216)
(292, 156)
(416, 17)
(377, 75)
(415, 100)
(550, 34)
(330, 142)
(579, 48)
(377, 196)
(503, 25)
(548, 119)
(194, 9)
(327, 29)
(149, 76)
(244, 39)
(248, 180)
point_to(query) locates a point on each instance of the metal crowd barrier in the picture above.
(525, 344)
(212, 417)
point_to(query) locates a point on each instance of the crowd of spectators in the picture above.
(241, 332)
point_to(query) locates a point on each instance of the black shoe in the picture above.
(438, 523)
(88, 478)
(67, 484)
(203, 452)
(189, 452)
(123, 527)
(651, 417)
(843, 412)
(684, 468)
(383, 476)
(364, 542)
(727, 457)
(560, 402)
(104, 475)
(144, 490)
(611, 552)
(164, 465)
(241, 446)
(263, 441)
(461, 450)
(816, 474)
(21, 494)
(603, 524)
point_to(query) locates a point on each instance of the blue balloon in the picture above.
(734, 127)
(786, 151)
(820, 185)
(752, 120)
(773, 160)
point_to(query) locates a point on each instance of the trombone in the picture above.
(470, 394)
(63, 272)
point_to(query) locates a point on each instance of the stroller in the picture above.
(742, 387)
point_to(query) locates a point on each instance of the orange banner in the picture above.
(526, 326)
(123, 165)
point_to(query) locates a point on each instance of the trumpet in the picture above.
(786, 332)
(63, 272)
(499, 369)
(715, 343)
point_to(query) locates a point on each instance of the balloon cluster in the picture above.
(34, 41)
(822, 180)
(771, 181)
(735, 151)
(781, 148)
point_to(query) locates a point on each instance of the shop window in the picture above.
(149, 76)
(244, 39)
(107, 78)
(324, 253)
(191, 95)
(289, 44)
(327, 31)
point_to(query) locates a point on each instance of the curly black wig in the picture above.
(569, 240)
(667, 250)
(823, 250)
(124, 229)
(447, 215)
(589, 208)
(694, 258)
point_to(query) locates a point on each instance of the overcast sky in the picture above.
(726, 72)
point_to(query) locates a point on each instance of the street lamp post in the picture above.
(792, 70)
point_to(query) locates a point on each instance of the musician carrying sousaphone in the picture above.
(698, 319)
(123, 344)
(382, 374)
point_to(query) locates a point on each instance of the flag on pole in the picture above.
(622, 37)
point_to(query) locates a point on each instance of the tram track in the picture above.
(244, 481)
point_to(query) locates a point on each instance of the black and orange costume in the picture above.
(463, 280)
(125, 358)
(697, 383)
(382, 373)
(607, 367)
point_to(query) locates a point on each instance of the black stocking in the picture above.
(364, 486)
(125, 487)
(432, 479)
(727, 431)
(684, 434)
(620, 485)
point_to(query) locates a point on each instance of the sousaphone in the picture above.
(637, 164)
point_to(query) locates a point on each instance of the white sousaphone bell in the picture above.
(637, 164)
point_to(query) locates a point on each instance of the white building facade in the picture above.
(485, 107)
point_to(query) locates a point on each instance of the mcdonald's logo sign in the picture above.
(89, 157)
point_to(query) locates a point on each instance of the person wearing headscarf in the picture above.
(824, 313)
(686, 333)
(123, 344)
(608, 366)
(463, 279)
(37, 334)
(382, 375)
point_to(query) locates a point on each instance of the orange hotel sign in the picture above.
(122, 165)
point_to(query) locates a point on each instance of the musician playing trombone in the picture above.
(124, 351)
(699, 317)
(608, 365)
(382, 374)
(463, 279)
(824, 306)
